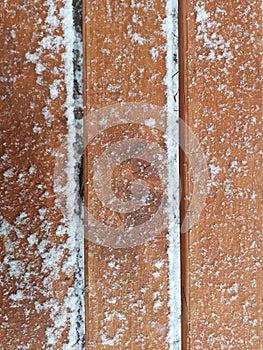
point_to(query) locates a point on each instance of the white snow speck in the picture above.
(150, 122)
(201, 14)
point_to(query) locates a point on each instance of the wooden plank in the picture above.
(126, 282)
(221, 101)
(36, 257)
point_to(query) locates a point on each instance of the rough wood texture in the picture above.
(127, 288)
(221, 100)
(35, 282)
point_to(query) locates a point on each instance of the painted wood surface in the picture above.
(221, 100)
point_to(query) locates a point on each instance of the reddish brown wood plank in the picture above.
(127, 288)
(36, 270)
(221, 100)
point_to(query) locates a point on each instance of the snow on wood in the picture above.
(221, 100)
(40, 232)
(127, 262)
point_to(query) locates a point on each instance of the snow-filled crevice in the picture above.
(172, 137)
(73, 77)
(78, 112)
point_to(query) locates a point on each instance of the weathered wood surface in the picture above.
(221, 100)
(127, 288)
(36, 270)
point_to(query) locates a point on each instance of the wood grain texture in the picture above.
(127, 288)
(35, 282)
(221, 100)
